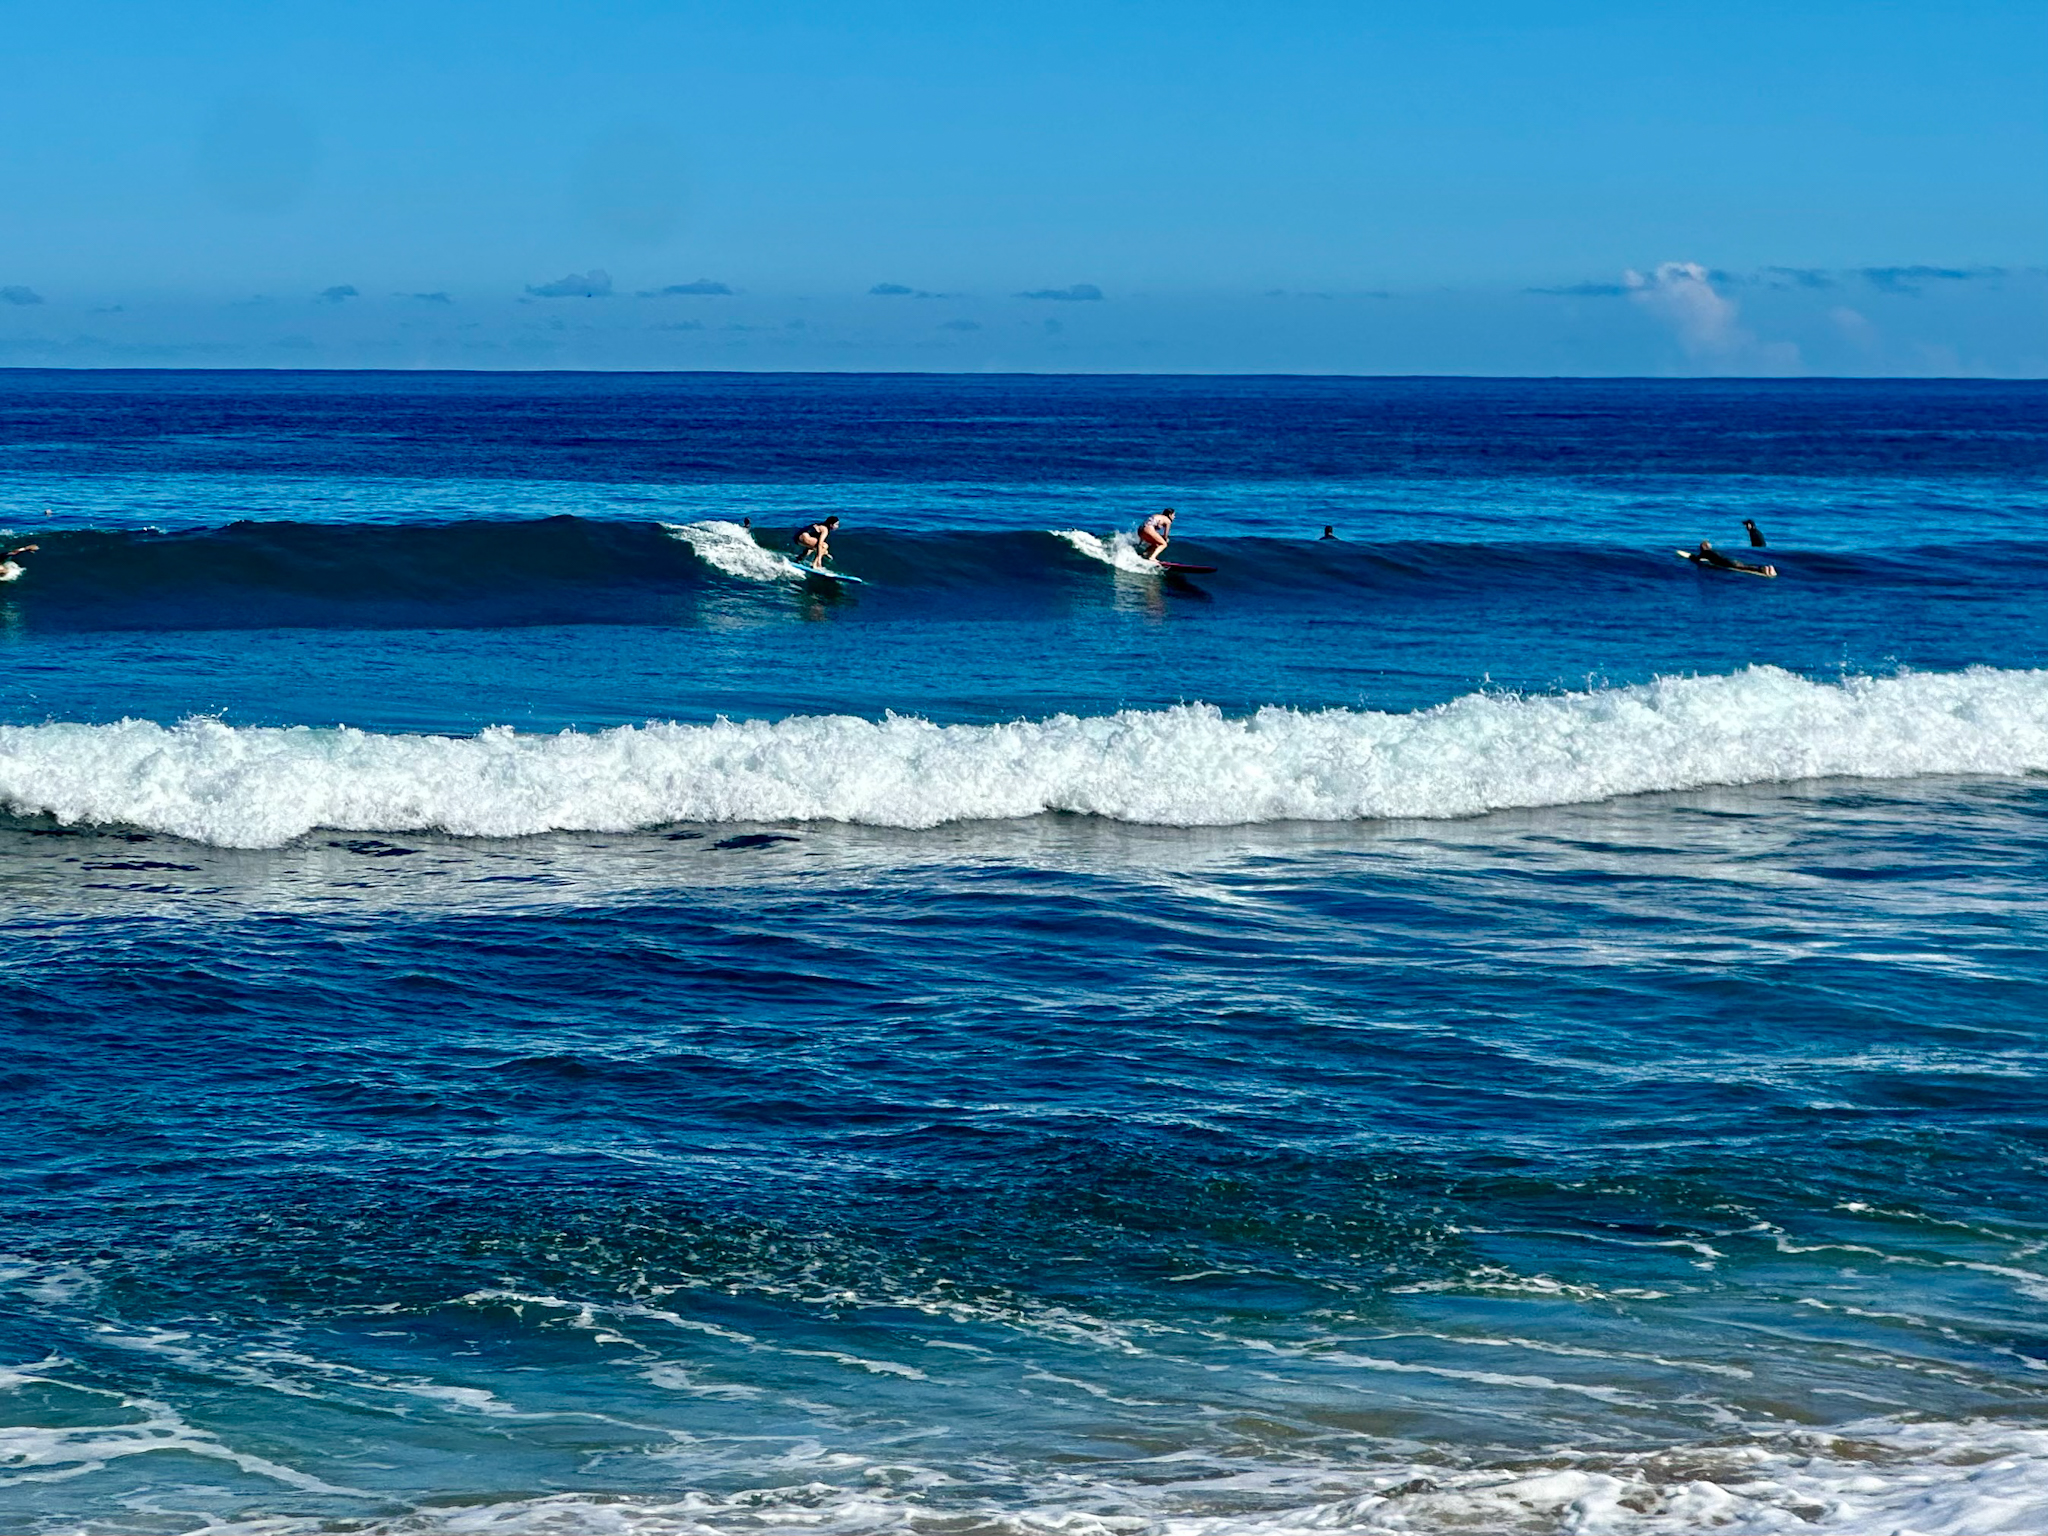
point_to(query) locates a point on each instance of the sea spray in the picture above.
(731, 549)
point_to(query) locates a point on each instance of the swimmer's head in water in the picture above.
(1705, 547)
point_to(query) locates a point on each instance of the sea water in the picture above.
(523, 1016)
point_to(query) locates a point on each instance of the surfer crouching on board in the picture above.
(815, 541)
(1706, 554)
(1154, 533)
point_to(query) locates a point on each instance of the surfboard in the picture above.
(811, 572)
(1692, 555)
(1185, 570)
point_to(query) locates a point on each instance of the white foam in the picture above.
(1187, 766)
(49, 1454)
(1880, 1479)
(1119, 550)
(730, 548)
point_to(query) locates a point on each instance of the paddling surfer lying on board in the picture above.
(1707, 555)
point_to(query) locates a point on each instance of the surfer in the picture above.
(815, 541)
(1707, 555)
(1756, 534)
(1329, 531)
(1154, 533)
(19, 549)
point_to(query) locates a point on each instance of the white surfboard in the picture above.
(1738, 570)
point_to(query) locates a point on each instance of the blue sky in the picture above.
(1530, 188)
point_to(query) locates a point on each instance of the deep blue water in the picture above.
(529, 1017)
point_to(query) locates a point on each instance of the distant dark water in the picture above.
(799, 428)
(528, 1016)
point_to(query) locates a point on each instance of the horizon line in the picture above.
(1025, 373)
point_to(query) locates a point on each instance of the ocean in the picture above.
(526, 1016)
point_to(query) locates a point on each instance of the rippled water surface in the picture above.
(1472, 1025)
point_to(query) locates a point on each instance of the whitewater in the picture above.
(526, 1017)
(1186, 766)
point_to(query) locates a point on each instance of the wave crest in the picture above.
(1186, 766)
(731, 548)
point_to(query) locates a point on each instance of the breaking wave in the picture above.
(556, 570)
(1980, 1477)
(1186, 766)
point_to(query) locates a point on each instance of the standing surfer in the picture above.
(1756, 534)
(1154, 533)
(815, 541)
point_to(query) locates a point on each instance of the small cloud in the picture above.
(1078, 291)
(1584, 291)
(436, 297)
(296, 343)
(594, 284)
(16, 294)
(703, 285)
(338, 292)
(1855, 327)
(1798, 277)
(960, 325)
(891, 291)
(1682, 293)
(1908, 280)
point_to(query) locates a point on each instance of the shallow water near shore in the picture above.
(1383, 1039)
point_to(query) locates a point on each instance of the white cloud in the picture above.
(1707, 321)
(1855, 327)
(1681, 293)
